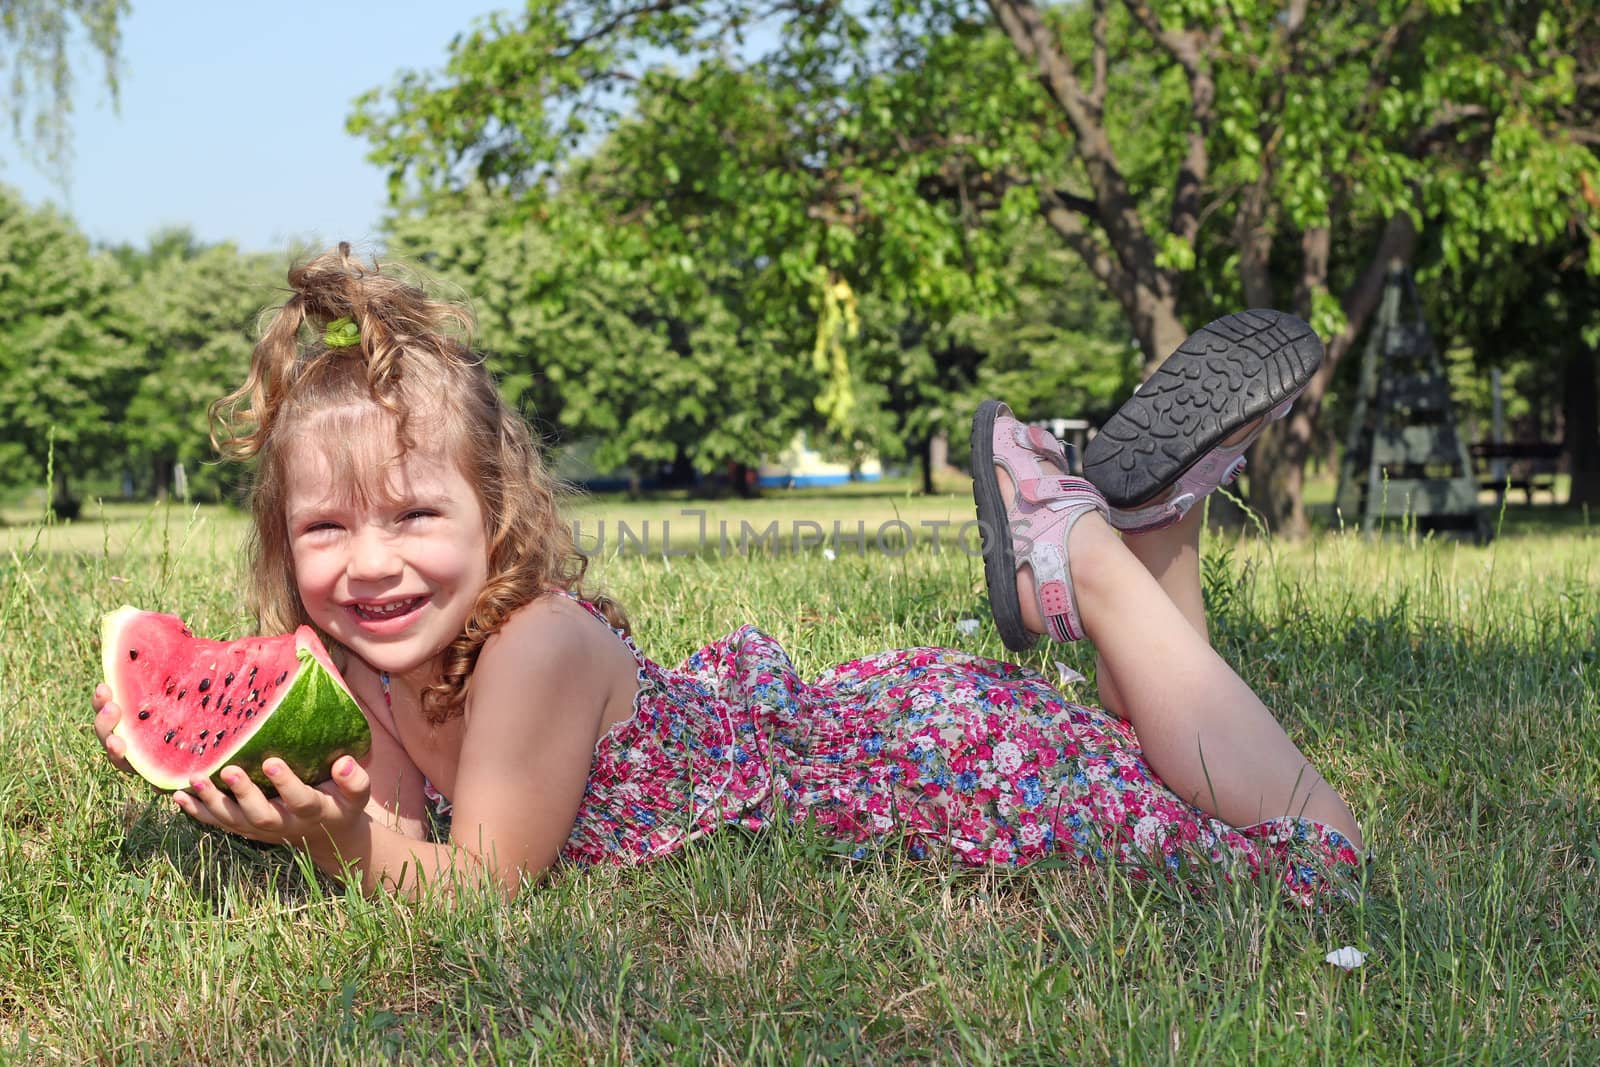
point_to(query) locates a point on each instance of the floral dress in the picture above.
(937, 750)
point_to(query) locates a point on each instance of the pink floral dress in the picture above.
(934, 749)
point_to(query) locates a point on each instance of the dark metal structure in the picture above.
(1404, 458)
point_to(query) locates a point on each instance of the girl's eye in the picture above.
(321, 527)
(418, 513)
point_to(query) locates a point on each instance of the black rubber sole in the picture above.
(999, 561)
(1225, 374)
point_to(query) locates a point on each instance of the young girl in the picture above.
(402, 510)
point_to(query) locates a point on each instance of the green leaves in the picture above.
(65, 357)
(38, 41)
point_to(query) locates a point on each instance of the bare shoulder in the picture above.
(551, 625)
(554, 641)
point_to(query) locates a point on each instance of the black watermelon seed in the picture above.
(133, 653)
(205, 700)
(170, 686)
(144, 714)
(228, 708)
(281, 677)
(181, 692)
(252, 674)
(168, 738)
(250, 714)
(254, 695)
(229, 679)
(219, 735)
(205, 683)
(203, 734)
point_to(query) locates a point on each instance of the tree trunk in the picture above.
(1158, 329)
(160, 477)
(1275, 493)
(1277, 475)
(1581, 410)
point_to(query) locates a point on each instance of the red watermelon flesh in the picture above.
(192, 706)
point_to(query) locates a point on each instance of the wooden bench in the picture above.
(1526, 465)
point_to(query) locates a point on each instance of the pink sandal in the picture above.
(1218, 467)
(1165, 439)
(1034, 530)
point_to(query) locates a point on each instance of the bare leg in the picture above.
(1203, 730)
(1172, 556)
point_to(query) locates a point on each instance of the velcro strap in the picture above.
(1037, 439)
(1042, 491)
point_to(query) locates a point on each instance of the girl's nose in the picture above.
(372, 557)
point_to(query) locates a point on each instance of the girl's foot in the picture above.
(1028, 504)
(1186, 430)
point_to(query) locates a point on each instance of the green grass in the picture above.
(1449, 691)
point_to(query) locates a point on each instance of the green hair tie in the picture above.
(341, 333)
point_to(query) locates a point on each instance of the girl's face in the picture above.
(394, 581)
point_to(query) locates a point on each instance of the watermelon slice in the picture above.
(192, 706)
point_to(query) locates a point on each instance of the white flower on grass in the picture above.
(1065, 675)
(1349, 957)
(967, 627)
(829, 554)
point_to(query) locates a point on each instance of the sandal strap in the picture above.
(1220, 466)
(1037, 483)
(1044, 549)
(1041, 542)
(1048, 504)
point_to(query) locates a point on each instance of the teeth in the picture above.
(386, 611)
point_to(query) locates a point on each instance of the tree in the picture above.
(65, 363)
(36, 38)
(584, 340)
(189, 314)
(1194, 155)
(668, 194)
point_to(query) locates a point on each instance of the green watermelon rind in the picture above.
(315, 722)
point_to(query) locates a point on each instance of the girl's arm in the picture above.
(538, 699)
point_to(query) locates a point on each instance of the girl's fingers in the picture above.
(352, 780)
(193, 808)
(101, 697)
(209, 804)
(106, 717)
(254, 808)
(300, 799)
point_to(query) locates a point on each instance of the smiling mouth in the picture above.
(393, 609)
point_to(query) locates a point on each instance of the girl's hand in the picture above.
(106, 717)
(299, 815)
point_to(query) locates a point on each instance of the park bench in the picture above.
(1526, 465)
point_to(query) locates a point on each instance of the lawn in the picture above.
(1452, 692)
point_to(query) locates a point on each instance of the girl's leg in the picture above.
(1172, 557)
(1203, 730)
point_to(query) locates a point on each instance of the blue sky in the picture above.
(231, 120)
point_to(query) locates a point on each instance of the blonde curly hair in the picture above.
(411, 363)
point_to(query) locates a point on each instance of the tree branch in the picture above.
(1185, 47)
(1100, 61)
(1116, 211)
(1077, 234)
